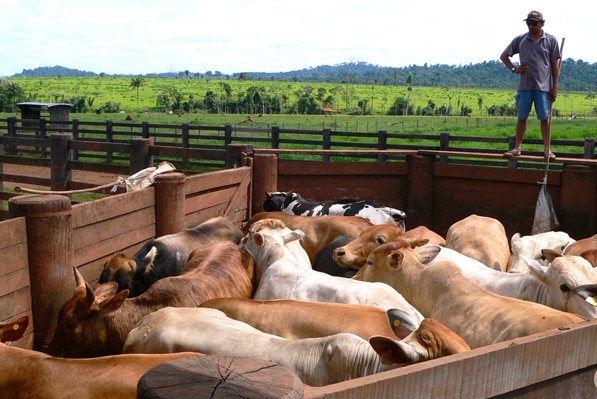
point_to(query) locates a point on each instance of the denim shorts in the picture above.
(526, 98)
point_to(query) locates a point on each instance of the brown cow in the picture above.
(441, 292)
(319, 230)
(90, 327)
(354, 254)
(295, 319)
(481, 238)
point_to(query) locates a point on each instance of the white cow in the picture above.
(554, 286)
(531, 246)
(283, 271)
(316, 361)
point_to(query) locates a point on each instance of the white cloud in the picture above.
(230, 36)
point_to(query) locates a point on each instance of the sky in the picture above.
(231, 36)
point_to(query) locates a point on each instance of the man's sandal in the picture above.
(511, 153)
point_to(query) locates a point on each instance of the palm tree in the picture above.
(136, 83)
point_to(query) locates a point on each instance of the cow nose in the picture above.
(339, 252)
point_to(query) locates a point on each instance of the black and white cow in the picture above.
(292, 203)
(165, 256)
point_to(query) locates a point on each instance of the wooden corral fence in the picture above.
(47, 235)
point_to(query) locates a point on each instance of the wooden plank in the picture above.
(481, 373)
(219, 198)
(14, 231)
(108, 228)
(14, 281)
(15, 303)
(110, 207)
(14, 258)
(116, 243)
(208, 181)
(298, 168)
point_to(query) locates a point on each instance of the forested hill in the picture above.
(576, 75)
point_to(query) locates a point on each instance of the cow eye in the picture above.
(564, 288)
(380, 240)
(426, 338)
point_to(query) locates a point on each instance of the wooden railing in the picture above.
(177, 142)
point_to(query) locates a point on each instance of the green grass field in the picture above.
(119, 90)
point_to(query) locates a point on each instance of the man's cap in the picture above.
(535, 16)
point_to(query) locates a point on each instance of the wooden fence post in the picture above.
(109, 138)
(265, 178)
(327, 143)
(419, 190)
(444, 145)
(60, 173)
(50, 251)
(169, 203)
(382, 144)
(227, 135)
(578, 198)
(43, 133)
(234, 154)
(589, 148)
(140, 156)
(275, 137)
(12, 133)
(75, 125)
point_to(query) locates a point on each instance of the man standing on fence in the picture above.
(539, 71)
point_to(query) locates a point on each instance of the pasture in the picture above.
(355, 99)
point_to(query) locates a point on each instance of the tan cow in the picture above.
(441, 292)
(316, 361)
(481, 238)
(318, 230)
(294, 319)
(586, 248)
(90, 327)
(354, 254)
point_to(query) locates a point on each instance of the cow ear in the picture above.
(105, 290)
(401, 322)
(113, 303)
(427, 253)
(293, 236)
(389, 350)
(536, 269)
(550, 254)
(395, 259)
(258, 239)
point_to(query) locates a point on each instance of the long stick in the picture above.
(551, 113)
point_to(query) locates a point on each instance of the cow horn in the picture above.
(79, 280)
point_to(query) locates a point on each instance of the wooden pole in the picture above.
(169, 203)
(50, 251)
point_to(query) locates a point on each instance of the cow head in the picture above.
(570, 282)
(120, 269)
(79, 327)
(354, 254)
(274, 201)
(431, 340)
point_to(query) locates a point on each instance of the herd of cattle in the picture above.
(331, 298)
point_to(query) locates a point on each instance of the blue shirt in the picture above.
(538, 56)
